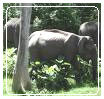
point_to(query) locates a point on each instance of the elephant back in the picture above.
(57, 31)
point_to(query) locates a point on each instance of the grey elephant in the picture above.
(91, 29)
(13, 30)
(50, 43)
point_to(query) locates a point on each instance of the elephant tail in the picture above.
(33, 39)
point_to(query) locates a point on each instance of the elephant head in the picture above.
(89, 29)
(13, 31)
(92, 29)
(87, 51)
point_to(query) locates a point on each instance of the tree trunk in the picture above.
(21, 79)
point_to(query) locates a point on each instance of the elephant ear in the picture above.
(85, 45)
(90, 44)
(81, 45)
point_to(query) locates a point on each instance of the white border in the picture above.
(1, 50)
(52, 1)
(53, 94)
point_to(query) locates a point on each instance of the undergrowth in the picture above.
(54, 77)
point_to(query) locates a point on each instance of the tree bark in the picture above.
(21, 79)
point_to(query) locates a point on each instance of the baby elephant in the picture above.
(50, 43)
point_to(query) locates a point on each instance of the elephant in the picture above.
(48, 44)
(91, 29)
(13, 30)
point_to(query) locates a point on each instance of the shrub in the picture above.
(53, 75)
(59, 74)
(11, 61)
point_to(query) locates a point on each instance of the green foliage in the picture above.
(85, 70)
(89, 13)
(64, 18)
(11, 61)
(52, 76)
(59, 74)
(12, 12)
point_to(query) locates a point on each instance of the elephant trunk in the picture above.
(94, 68)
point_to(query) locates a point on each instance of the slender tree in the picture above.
(21, 79)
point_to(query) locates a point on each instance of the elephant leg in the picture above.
(76, 67)
(16, 43)
(34, 54)
(16, 40)
(4, 38)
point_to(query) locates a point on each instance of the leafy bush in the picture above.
(57, 70)
(58, 74)
(52, 76)
(11, 61)
(85, 70)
